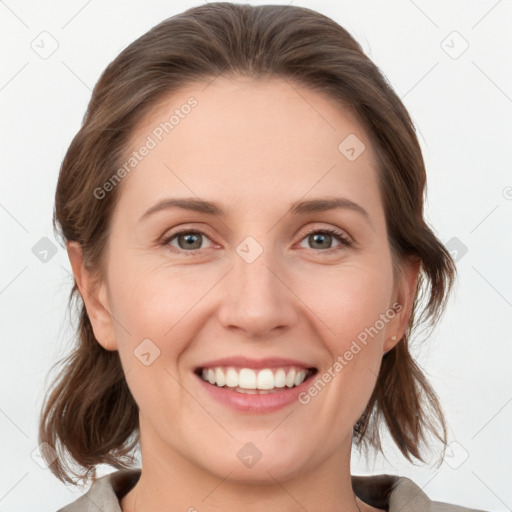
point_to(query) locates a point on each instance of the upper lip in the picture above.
(246, 362)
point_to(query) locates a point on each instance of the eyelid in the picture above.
(344, 239)
(168, 236)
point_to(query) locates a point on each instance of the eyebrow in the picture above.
(296, 208)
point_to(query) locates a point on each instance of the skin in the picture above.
(253, 147)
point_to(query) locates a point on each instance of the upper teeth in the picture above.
(248, 379)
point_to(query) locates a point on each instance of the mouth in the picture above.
(255, 381)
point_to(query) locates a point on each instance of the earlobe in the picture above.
(404, 301)
(390, 343)
(94, 296)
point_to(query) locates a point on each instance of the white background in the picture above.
(462, 108)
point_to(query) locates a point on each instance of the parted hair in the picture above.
(89, 416)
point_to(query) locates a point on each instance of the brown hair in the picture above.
(90, 412)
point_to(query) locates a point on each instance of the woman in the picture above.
(217, 151)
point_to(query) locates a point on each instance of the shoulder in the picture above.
(105, 492)
(407, 496)
(399, 494)
(389, 492)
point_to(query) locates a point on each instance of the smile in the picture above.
(249, 381)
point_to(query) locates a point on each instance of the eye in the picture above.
(324, 237)
(191, 240)
(187, 240)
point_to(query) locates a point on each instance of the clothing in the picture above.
(388, 492)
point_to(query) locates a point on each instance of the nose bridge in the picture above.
(257, 300)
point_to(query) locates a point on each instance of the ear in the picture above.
(403, 298)
(94, 295)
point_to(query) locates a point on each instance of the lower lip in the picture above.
(257, 403)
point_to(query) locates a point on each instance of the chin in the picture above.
(252, 465)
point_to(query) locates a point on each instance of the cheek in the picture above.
(149, 307)
(166, 303)
(149, 301)
(349, 299)
(353, 302)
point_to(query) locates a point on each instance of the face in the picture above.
(267, 285)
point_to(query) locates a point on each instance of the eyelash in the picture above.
(339, 235)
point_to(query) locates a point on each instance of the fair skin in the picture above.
(252, 147)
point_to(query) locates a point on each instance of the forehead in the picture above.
(241, 138)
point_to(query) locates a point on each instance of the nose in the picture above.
(256, 297)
